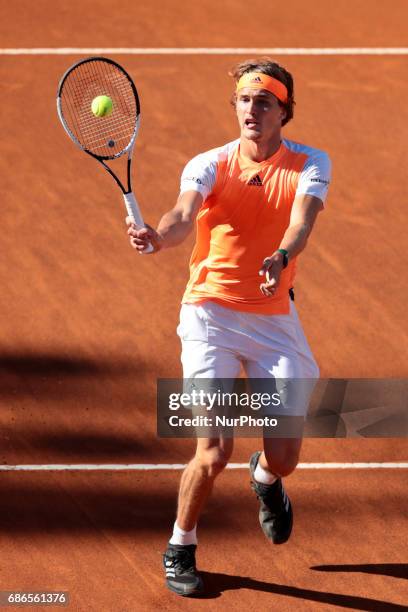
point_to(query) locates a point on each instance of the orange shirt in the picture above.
(245, 213)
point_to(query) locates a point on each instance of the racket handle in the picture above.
(134, 213)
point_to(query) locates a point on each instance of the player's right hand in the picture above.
(140, 238)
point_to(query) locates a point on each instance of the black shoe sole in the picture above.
(180, 591)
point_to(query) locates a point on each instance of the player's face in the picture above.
(259, 114)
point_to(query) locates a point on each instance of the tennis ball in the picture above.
(102, 106)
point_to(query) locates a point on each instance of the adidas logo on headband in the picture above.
(256, 80)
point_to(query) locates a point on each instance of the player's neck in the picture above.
(259, 151)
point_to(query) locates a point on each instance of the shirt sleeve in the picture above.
(199, 175)
(316, 175)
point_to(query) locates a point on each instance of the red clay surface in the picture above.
(87, 326)
(100, 537)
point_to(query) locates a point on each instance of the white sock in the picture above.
(264, 476)
(180, 536)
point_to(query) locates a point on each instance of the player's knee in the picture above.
(287, 468)
(212, 461)
(283, 465)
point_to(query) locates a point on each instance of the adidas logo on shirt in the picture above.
(256, 180)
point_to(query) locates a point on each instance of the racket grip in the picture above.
(134, 213)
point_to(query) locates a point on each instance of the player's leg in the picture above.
(288, 365)
(211, 457)
(209, 368)
(209, 365)
(206, 364)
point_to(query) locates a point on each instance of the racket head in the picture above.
(105, 137)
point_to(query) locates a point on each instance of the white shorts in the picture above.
(217, 341)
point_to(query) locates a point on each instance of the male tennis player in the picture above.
(254, 202)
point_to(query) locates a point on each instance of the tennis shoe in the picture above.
(275, 512)
(180, 567)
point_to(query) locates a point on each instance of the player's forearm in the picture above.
(174, 227)
(295, 239)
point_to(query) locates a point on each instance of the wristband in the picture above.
(285, 256)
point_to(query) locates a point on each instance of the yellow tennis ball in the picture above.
(102, 106)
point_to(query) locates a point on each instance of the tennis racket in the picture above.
(103, 137)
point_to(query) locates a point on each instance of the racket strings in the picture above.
(86, 90)
(119, 86)
(112, 132)
(105, 136)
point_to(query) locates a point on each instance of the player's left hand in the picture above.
(271, 269)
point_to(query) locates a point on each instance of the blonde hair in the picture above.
(273, 69)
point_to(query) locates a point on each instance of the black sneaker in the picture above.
(275, 512)
(180, 567)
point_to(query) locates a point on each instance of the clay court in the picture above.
(87, 325)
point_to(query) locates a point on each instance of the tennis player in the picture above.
(254, 202)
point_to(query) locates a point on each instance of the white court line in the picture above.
(207, 51)
(118, 467)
